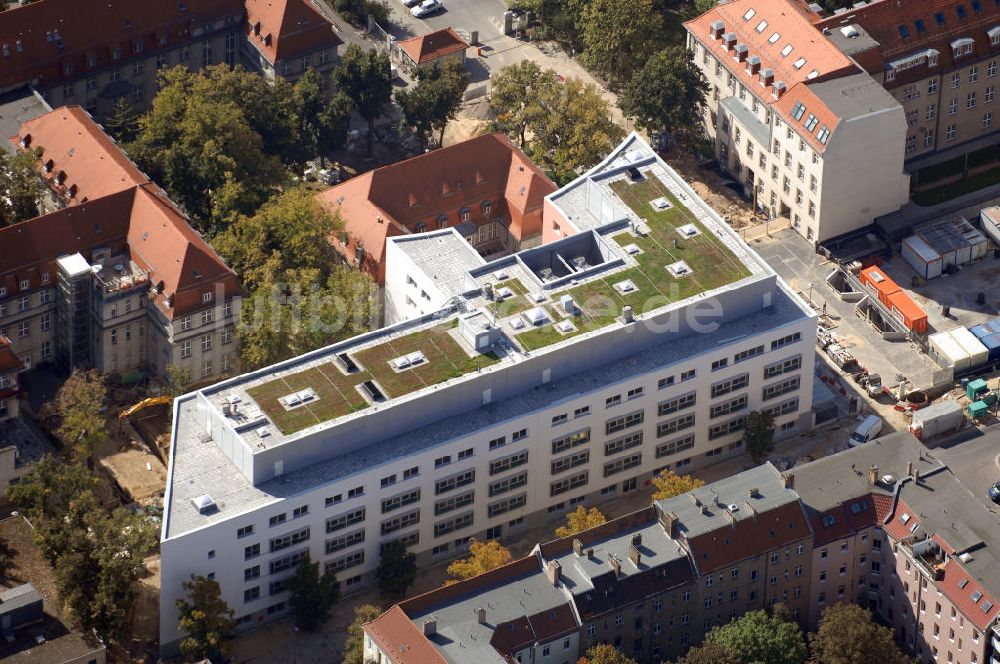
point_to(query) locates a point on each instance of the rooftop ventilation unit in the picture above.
(348, 363)
(299, 398)
(660, 203)
(741, 53)
(778, 89)
(536, 316)
(204, 504)
(766, 76)
(753, 64)
(716, 29)
(688, 230)
(850, 31)
(729, 40)
(679, 269)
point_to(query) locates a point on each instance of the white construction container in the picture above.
(921, 257)
(937, 418)
(990, 221)
(947, 352)
(977, 351)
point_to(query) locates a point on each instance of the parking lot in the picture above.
(805, 271)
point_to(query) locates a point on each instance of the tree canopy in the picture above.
(483, 556)
(760, 638)
(618, 36)
(20, 186)
(847, 634)
(354, 647)
(758, 435)
(435, 100)
(311, 595)
(206, 620)
(514, 99)
(364, 76)
(669, 484)
(322, 124)
(123, 123)
(397, 570)
(710, 653)
(580, 520)
(667, 94)
(605, 653)
(79, 404)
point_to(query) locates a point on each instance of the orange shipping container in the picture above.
(875, 280)
(906, 310)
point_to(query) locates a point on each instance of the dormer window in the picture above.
(137, 47)
(91, 61)
(932, 57)
(49, 165)
(962, 47)
(60, 177)
(116, 54)
(994, 35)
(206, 297)
(26, 141)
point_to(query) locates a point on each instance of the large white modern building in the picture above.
(564, 374)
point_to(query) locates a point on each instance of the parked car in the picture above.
(410, 3)
(994, 492)
(427, 8)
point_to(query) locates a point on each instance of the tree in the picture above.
(709, 653)
(618, 37)
(702, 6)
(580, 520)
(20, 186)
(515, 96)
(848, 635)
(123, 123)
(311, 596)
(605, 653)
(761, 639)
(354, 647)
(667, 94)
(178, 380)
(758, 435)
(101, 564)
(206, 620)
(435, 100)
(669, 484)
(397, 570)
(80, 405)
(483, 556)
(322, 125)
(364, 76)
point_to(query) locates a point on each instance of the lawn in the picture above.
(338, 393)
(959, 188)
(712, 264)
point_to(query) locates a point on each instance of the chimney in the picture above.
(669, 523)
(741, 52)
(577, 547)
(873, 475)
(751, 508)
(481, 615)
(909, 469)
(753, 64)
(778, 89)
(627, 315)
(788, 480)
(616, 564)
(754, 492)
(633, 553)
(766, 77)
(704, 510)
(637, 539)
(553, 572)
(716, 29)
(916, 475)
(430, 626)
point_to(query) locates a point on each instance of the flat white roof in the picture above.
(74, 265)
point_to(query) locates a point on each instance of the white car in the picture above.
(410, 3)
(427, 8)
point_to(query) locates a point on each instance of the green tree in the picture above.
(577, 132)
(709, 653)
(669, 484)
(354, 647)
(178, 380)
(758, 435)
(206, 620)
(123, 123)
(667, 94)
(435, 100)
(702, 6)
(483, 556)
(397, 570)
(323, 125)
(515, 99)
(20, 186)
(761, 639)
(618, 37)
(311, 595)
(605, 653)
(848, 635)
(80, 405)
(363, 75)
(580, 520)
(98, 571)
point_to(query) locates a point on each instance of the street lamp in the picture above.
(15, 513)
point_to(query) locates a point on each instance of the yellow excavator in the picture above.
(142, 405)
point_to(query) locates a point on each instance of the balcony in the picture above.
(119, 274)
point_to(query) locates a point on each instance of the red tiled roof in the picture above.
(749, 536)
(391, 200)
(951, 586)
(771, 28)
(895, 526)
(283, 29)
(398, 637)
(883, 506)
(883, 21)
(44, 38)
(433, 45)
(9, 360)
(85, 163)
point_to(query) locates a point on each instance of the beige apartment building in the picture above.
(92, 53)
(115, 278)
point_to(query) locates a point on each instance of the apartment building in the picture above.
(939, 62)
(564, 374)
(485, 187)
(651, 583)
(10, 367)
(93, 52)
(810, 135)
(115, 278)
(889, 525)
